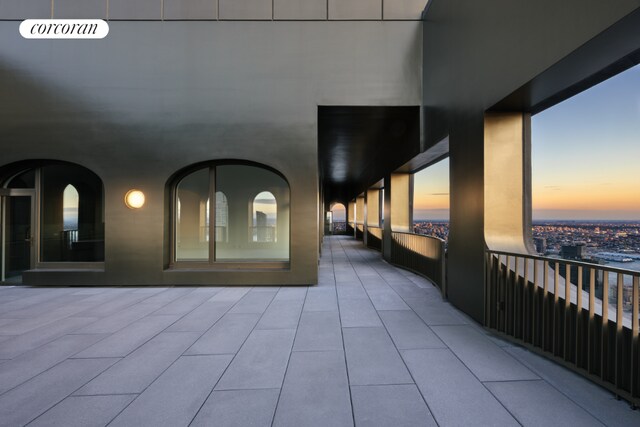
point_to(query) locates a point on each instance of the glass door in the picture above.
(17, 236)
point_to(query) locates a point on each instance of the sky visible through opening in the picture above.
(585, 158)
(586, 154)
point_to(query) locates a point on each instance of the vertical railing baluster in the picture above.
(578, 355)
(591, 324)
(618, 371)
(526, 314)
(516, 293)
(567, 308)
(554, 329)
(545, 308)
(635, 356)
(534, 305)
(604, 327)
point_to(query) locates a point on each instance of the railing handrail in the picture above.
(567, 261)
(421, 235)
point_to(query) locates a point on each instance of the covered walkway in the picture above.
(371, 345)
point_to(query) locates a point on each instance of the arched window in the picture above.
(265, 218)
(69, 222)
(70, 208)
(249, 224)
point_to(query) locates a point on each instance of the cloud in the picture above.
(438, 194)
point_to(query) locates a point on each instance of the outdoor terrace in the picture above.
(371, 345)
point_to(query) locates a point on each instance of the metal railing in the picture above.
(581, 314)
(424, 255)
(374, 238)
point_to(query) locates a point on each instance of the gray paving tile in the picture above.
(233, 294)
(139, 369)
(29, 400)
(128, 339)
(315, 382)
(358, 312)
(351, 290)
(281, 315)
(537, 403)
(44, 308)
(319, 331)
(188, 302)
(319, 299)
(387, 300)
(408, 331)
(390, 405)
(83, 411)
(372, 358)
(597, 400)
(21, 326)
(227, 335)
(115, 305)
(435, 312)
(176, 396)
(238, 408)
(121, 319)
(261, 362)
(28, 365)
(18, 344)
(454, 395)
(254, 302)
(291, 293)
(202, 317)
(486, 360)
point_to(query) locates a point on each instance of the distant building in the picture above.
(541, 245)
(573, 251)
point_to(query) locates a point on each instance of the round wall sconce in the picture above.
(134, 199)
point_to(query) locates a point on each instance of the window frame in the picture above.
(211, 264)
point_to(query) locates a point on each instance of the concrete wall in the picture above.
(155, 97)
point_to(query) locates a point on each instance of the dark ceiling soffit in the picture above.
(437, 152)
(613, 51)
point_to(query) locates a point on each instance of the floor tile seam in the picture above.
(224, 371)
(384, 384)
(70, 394)
(315, 351)
(286, 369)
(101, 394)
(581, 405)
(527, 380)
(344, 350)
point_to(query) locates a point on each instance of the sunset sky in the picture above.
(586, 153)
(585, 158)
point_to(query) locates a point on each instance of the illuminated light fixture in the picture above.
(134, 199)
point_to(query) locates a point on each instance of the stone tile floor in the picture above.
(371, 345)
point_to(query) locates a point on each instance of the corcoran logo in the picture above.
(64, 29)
